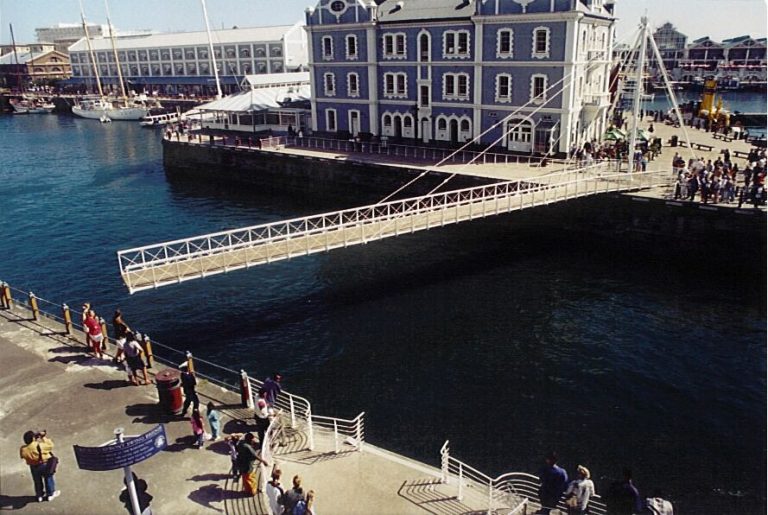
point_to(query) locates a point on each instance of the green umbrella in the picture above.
(614, 134)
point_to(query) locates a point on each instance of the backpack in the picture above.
(300, 508)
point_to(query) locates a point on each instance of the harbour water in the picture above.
(507, 340)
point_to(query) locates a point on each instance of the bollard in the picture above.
(104, 334)
(3, 304)
(67, 319)
(245, 390)
(148, 351)
(33, 306)
(190, 362)
(7, 297)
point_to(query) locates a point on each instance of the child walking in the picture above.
(214, 420)
(197, 428)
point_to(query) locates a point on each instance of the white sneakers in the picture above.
(54, 495)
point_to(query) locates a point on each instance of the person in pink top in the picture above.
(93, 332)
(197, 428)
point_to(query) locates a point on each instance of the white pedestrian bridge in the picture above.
(181, 260)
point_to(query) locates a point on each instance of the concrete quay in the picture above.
(49, 382)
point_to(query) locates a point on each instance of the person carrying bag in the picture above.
(37, 452)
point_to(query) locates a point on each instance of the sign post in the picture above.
(121, 453)
(129, 484)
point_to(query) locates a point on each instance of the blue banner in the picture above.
(132, 450)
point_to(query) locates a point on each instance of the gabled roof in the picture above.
(219, 37)
(26, 57)
(406, 10)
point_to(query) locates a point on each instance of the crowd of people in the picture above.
(623, 497)
(721, 181)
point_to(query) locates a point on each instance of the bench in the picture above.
(721, 136)
(741, 154)
(702, 146)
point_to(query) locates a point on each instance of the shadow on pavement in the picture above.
(109, 384)
(210, 477)
(79, 359)
(149, 414)
(205, 495)
(10, 502)
(182, 444)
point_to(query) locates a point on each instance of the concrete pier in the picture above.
(49, 382)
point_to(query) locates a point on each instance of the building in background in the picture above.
(21, 70)
(523, 75)
(65, 34)
(33, 48)
(671, 44)
(179, 63)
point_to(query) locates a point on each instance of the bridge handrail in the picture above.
(136, 258)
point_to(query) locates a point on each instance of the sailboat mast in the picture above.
(638, 90)
(90, 51)
(210, 47)
(16, 57)
(114, 53)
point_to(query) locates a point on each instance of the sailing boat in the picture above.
(27, 105)
(100, 107)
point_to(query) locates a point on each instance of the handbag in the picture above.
(52, 465)
(572, 501)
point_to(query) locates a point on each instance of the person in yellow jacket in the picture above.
(37, 451)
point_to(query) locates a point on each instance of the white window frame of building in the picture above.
(398, 43)
(503, 94)
(502, 53)
(353, 79)
(351, 48)
(329, 84)
(330, 114)
(327, 47)
(422, 55)
(395, 85)
(443, 127)
(386, 124)
(451, 48)
(519, 132)
(350, 123)
(537, 53)
(451, 86)
(541, 98)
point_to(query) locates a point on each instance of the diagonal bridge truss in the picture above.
(181, 260)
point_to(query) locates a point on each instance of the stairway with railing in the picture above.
(181, 260)
(509, 494)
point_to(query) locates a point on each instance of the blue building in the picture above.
(524, 75)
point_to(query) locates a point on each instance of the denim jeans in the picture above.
(45, 485)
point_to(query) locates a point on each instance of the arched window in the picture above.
(424, 46)
(465, 126)
(407, 122)
(540, 43)
(387, 121)
(442, 124)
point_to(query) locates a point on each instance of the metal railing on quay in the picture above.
(405, 151)
(344, 431)
(513, 492)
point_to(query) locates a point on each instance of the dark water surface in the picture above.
(506, 340)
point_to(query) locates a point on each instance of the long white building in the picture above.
(173, 63)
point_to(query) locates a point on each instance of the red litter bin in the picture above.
(169, 390)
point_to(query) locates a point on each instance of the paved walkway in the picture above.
(48, 382)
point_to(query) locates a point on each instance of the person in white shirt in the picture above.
(579, 491)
